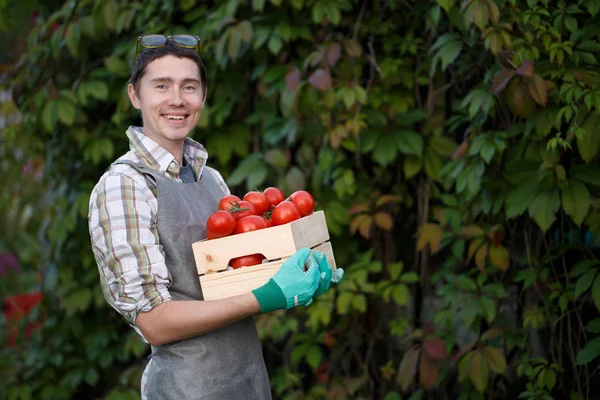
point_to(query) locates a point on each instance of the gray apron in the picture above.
(225, 364)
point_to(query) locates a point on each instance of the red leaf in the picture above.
(500, 81)
(334, 52)
(292, 78)
(436, 348)
(320, 79)
(429, 370)
(526, 69)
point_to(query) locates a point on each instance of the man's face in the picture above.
(170, 98)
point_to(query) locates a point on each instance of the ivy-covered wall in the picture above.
(453, 146)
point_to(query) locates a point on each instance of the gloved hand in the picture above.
(327, 275)
(291, 286)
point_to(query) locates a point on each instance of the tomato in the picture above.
(249, 223)
(285, 212)
(245, 209)
(246, 261)
(259, 201)
(274, 196)
(228, 201)
(220, 224)
(304, 201)
(269, 223)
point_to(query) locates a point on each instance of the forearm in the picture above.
(177, 320)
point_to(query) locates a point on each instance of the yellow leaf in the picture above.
(473, 248)
(439, 215)
(464, 367)
(472, 231)
(384, 220)
(387, 198)
(430, 234)
(481, 256)
(479, 372)
(365, 227)
(538, 90)
(499, 257)
(495, 358)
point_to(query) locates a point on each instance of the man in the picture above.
(147, 210)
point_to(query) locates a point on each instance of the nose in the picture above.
(176, 99)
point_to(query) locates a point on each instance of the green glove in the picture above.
(327, 275)
(291, 286)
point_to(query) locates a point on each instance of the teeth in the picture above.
(175, 116)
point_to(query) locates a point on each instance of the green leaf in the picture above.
(258, 5)
(401, 295)
(72, 38)
(412, 166)
(409, 142)
(583, 267)
(116, 66)
(488, 308)
(593, 326)
(588, 173)
(443, 145)
(588, 142)
(359, 303)
(66, 112)
(479, 372)
(596, 292)
(78, 301)
(446, 4)
(544, 208)
(584, 282)
(245, 168)
(589, 352)
(97, 89)
(343, 303)
(313, 356)
(110, 14)
(385, 150)
(275, 44)
(520, 198)
(576, 200)
(50, 116)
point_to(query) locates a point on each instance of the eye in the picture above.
(189, 88)
(161, 86)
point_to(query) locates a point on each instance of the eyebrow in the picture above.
(171, 80)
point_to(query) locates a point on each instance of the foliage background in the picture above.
(452, 144)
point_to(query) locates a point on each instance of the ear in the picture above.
(133, 96)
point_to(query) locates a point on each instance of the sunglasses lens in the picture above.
(185, 40)
(153, 40)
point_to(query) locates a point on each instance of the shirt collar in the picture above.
(158, 157)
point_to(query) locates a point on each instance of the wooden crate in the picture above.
(277, 244)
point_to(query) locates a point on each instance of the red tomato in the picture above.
(285, 212)
(246, 209)
(259, 201)
(228, 201)
(304, 201)
(249, 223)
(274, 196)
(246, 261)
(220, 224)
(269, 223)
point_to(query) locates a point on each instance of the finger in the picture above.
(323, 264)
(299, 257)
(310, 264)
(337, 275)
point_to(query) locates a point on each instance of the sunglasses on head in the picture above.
(155, 41)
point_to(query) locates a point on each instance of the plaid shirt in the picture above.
(122, 223)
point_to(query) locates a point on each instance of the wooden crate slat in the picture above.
(219, 285)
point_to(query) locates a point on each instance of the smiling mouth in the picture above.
(175, 117)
